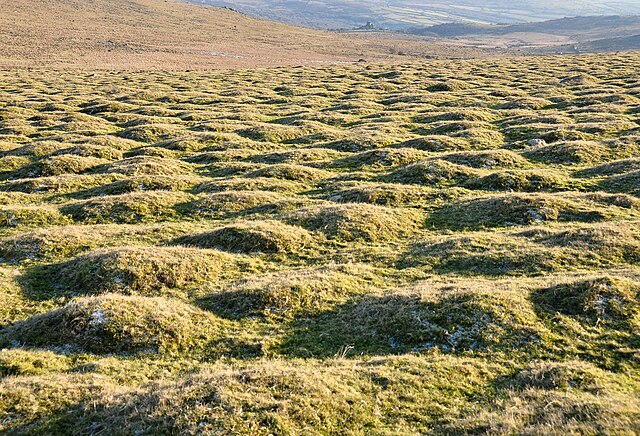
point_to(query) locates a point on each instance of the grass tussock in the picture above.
(253, 237)
(31, 216)
(436, 173)
(118, 324)
(526, 209)
(131, 270)
(290, 293)
(146, 206)
(353, 222)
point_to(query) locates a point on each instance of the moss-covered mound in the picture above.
(453, 321)
(119, 324)
(573, 152)
(145, 183)
(521, 209)
(131, 270)
(612, 242)
(63, 164)
(128, 208)
(352, 222)
(488, 159)
(385, 157)
(65, 183)
(437, 173)
(152, 132)
(286, 294)
(14, 216)
(437, 143)
(617, 167)
(391, 194)
(239, 202)
(606, 299)
(250, 184)
(629, 183)
(150, 166)
(522, 181)
(251, 237)
(299, 173)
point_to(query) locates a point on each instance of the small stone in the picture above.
(536, 142)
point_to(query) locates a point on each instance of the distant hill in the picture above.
(161, 34)
(400, 14)
(577, 27)
(612, 44)
(609, 33)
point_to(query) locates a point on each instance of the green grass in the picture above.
(447, 247)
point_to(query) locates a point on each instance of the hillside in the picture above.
(160, 34)
(429, 247)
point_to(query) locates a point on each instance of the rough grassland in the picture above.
(437, 247)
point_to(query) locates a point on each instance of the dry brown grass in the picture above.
(152, 34)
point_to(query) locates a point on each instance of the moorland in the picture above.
(430, 246)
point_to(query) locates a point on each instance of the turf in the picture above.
(440, 246)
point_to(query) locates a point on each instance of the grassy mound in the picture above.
(299, 173)
(612, 242)
(523, 181)
(131, 270)
(119, 324)
(305, 156)
(576, 152)
(612, 168)
(145, 183)
(220, 204)
(437, 173)
(45, 244)
(525, 209)
(150, 166)
(65, 183)
(450, 86)
(128, 208)
(606, 300)
(286, 294)
(391, 194)
(152, 132)
(487, 159)
(629, 183)
(251, 237)
(64, 164)
(109, 142)
(91, 150)
(437, 143)
(452, 321)
(66, 241)
(385, 157)
(32, 216)
(15, 362)
(353, 222)
(489, 254)
(271, 133)
(251, 184)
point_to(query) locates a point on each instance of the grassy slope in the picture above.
(322, 249)
(156, 34)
